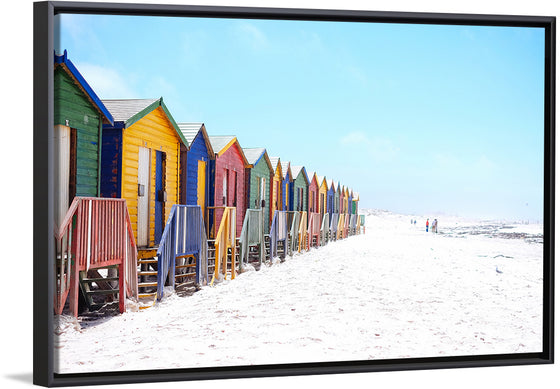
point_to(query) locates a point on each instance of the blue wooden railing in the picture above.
(184, 234)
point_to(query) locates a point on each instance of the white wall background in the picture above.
(16, 207)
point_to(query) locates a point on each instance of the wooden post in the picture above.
(122, 288)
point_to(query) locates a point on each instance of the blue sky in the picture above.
(416, 118)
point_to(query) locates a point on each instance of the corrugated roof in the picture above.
(190, 131)
(274, 163)
(124, 109)
(218, 142)
(285, 166)
(310, 176)
(296, 170)
(253, 154)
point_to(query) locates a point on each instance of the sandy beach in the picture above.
(396, 291)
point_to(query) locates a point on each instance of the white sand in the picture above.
(393, 292)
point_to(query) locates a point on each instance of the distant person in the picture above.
(435, 225)
(427, 224)
(414, 221)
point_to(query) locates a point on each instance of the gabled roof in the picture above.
(190, 132)
(313, 177)
(254, 155)
(320, 180)
(296, 170)
(125, 109)
(330, 184)
(221, 143)
(126, 112)
(355, 196)
(68, 66)
(275, 161)
(286, 169)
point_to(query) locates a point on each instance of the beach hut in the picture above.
(344, 202)
(336, 202)
(287, 180)
(78, 118)
(355, 199)
(140, 163)
(195, 157)
(330, 197)
(298, 189)
(297, 206)
(313, 215)
(350, 201)
(91, 233)
(229, 181)
(322, 182)
(275, 186)
(257, 181)
(313, 195)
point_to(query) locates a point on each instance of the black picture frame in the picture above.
(43, 190)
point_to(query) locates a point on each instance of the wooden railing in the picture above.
(303, 243)
(340, 227)
(95, 233)
(224, 242)
(314, 228)
(184, 235)
(362, 224)
(252, 234)
(353, 224)
(278, 232)
(334, 226)
(294, 219)
(325, 226)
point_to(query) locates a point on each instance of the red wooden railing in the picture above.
(95, 233)
(314, 228)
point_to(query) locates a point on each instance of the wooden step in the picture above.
(147, 261)
(148, 252)
(146, 295)
(185, 266)
(89, 280)
(184, 275)
(147, 284)
(102, 291)
(147, 273)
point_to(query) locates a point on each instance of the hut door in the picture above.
(262, 196)
(201, 186)
(143, 195)
(61, 172)
(161, 196)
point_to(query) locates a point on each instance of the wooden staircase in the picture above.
(99, 291)
(147, 281)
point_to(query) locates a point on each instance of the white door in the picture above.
(61, 172)
(143, 196)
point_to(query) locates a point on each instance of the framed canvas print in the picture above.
(226, 192)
